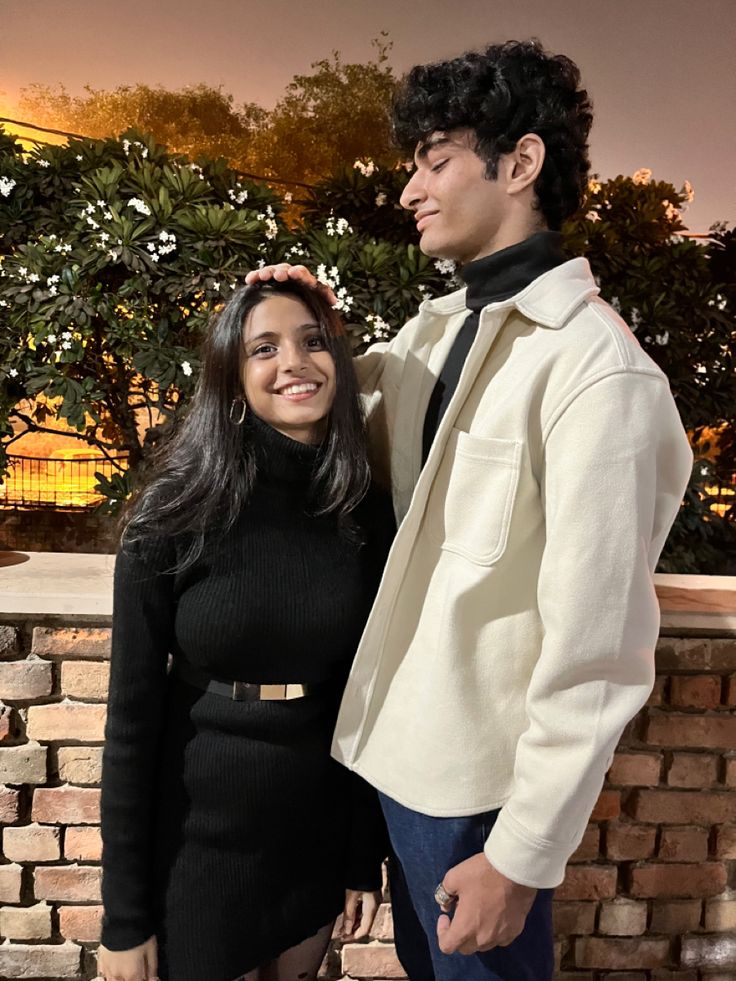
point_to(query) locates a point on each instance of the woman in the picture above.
(251, 557)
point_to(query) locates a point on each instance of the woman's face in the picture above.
(288, 375)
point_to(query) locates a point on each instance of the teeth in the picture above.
(297, 389)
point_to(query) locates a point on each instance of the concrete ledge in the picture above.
(59, 584)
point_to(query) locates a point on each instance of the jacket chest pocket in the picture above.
(470, 505)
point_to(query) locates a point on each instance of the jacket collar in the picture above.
(548, 300)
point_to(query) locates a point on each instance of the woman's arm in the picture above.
(143, 629)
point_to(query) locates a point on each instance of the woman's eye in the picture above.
(317, 342)
(263, 349)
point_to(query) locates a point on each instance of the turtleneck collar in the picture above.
(503, 274)
(279, 456)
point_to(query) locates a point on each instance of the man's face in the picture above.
(459, 212)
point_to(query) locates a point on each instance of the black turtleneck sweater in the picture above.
(227, 829)
(490, 279)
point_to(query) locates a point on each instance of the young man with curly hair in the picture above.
(537, 462)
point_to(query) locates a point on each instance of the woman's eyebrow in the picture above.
(271, 335)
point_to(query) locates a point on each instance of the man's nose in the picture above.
(413, 193)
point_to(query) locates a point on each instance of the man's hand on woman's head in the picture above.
(283, 271)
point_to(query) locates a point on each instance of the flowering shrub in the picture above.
(114, 255)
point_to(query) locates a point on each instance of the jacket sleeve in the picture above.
(142, 634)
(616, 464)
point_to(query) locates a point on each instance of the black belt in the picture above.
(238, 691)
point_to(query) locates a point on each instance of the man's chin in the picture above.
(438, 250)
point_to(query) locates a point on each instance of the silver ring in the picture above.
(443, 897)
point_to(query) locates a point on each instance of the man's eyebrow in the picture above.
(430, 144)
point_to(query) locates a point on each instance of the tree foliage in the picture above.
(115, 253)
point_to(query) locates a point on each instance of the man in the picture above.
(537, 462)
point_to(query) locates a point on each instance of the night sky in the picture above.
(660, 71)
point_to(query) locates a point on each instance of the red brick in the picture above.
(624, 976)
(31, 843)
(707, 952)
(608, 806)
(722, 655)
(9, 642)
(588, 882)
(683, 845)
(85, 844)
(730, 774)
(23, 764)
(10, 883)
(693, 770)
(80, 764)
(40, 960)
(726, 842)
(68, 642)
(68, 883)
(675, 916)
(657, 696)
(85, 679)
(572, 919)
(673, 881)
(588, 849)
(720, 915)
(683, 655)
(665, 975)
(67, 721)
(700, 691)
(684, 806)
(9, 726)
(66, 805)
(701, 731)
(630, 842)
(614, 953)
(26, 922)
(371, 961)
(730, 691)
(635, 769)
(383, 925)
(623, 918)
(25, 680)
(80, 923)
(9, 805)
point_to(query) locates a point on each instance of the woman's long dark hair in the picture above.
(199, 478)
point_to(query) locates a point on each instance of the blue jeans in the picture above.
(424, 848)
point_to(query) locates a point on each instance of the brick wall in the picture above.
(647, 896)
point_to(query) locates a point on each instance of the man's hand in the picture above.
(137, 964)
(283, 271)
(490, 910)
(359, 913)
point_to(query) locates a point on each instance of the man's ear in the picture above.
(524, 163)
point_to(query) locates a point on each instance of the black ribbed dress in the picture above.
(228, 831)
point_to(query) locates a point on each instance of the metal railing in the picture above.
(62, 483)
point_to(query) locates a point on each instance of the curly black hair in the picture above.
(501, 94)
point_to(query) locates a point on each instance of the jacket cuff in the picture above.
(524, 857)
(125, 934)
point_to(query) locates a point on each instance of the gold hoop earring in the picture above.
(243, 411)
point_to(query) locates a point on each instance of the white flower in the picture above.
(445, 266)
(33, 278)
(593, 216)
(261, 263)
(670, 211)
(66, 335)
(272, 228)
(186, 368)
(52, 279)
(126, 147)
(616, 304)
(703, 471)
(22, 270)
(6, 186)
(44, 163)
(239, 198)
(216, 286)
(337, 226)
(634, 318)
(13, 373)
(381, 199)
(101, 204)
(140, 206)
(687, 192)
(288, 197)
(108, 215)
(91, 222)
(720, 301)
(642, 176)
(51, 339)
(53, 291)
(662, 339)
(366, 169)
(66, 345)
(104, 237)
(154, 257)
(80, 158)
